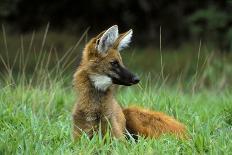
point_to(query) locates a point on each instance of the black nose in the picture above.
(135, 80)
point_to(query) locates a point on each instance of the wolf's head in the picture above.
(103, 61)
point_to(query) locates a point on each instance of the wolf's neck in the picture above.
(94, 89)
(100, 82)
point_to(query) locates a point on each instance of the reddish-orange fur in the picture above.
(151, 124)
(97, 109)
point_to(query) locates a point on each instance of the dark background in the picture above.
(179, 21)
(185, 41)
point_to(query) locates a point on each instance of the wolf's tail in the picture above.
(152, 124)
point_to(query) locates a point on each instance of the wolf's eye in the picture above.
(114, 63)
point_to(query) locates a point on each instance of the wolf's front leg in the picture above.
(78, 131)
(118, 125)
(80, 126)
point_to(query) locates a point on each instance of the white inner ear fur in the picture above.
(108, 39)
(101, 82)
(125, 40)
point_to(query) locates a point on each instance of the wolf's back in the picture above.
(151, 124)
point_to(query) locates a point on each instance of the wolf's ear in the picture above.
(107, 39)
(124, 40)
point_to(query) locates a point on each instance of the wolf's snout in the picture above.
(135, 80)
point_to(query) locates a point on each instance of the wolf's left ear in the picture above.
(124, 40)
(107, 39)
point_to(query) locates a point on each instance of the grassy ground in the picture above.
(37, 120)
(193, 86)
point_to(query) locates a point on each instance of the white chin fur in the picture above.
(101, 82)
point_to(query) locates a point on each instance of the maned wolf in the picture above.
(100, 70)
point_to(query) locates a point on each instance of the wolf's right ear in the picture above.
(107, 39)
(124, 40)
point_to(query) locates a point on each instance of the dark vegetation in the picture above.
(208, 20)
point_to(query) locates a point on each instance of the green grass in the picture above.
(37, 97)
(37, 120)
